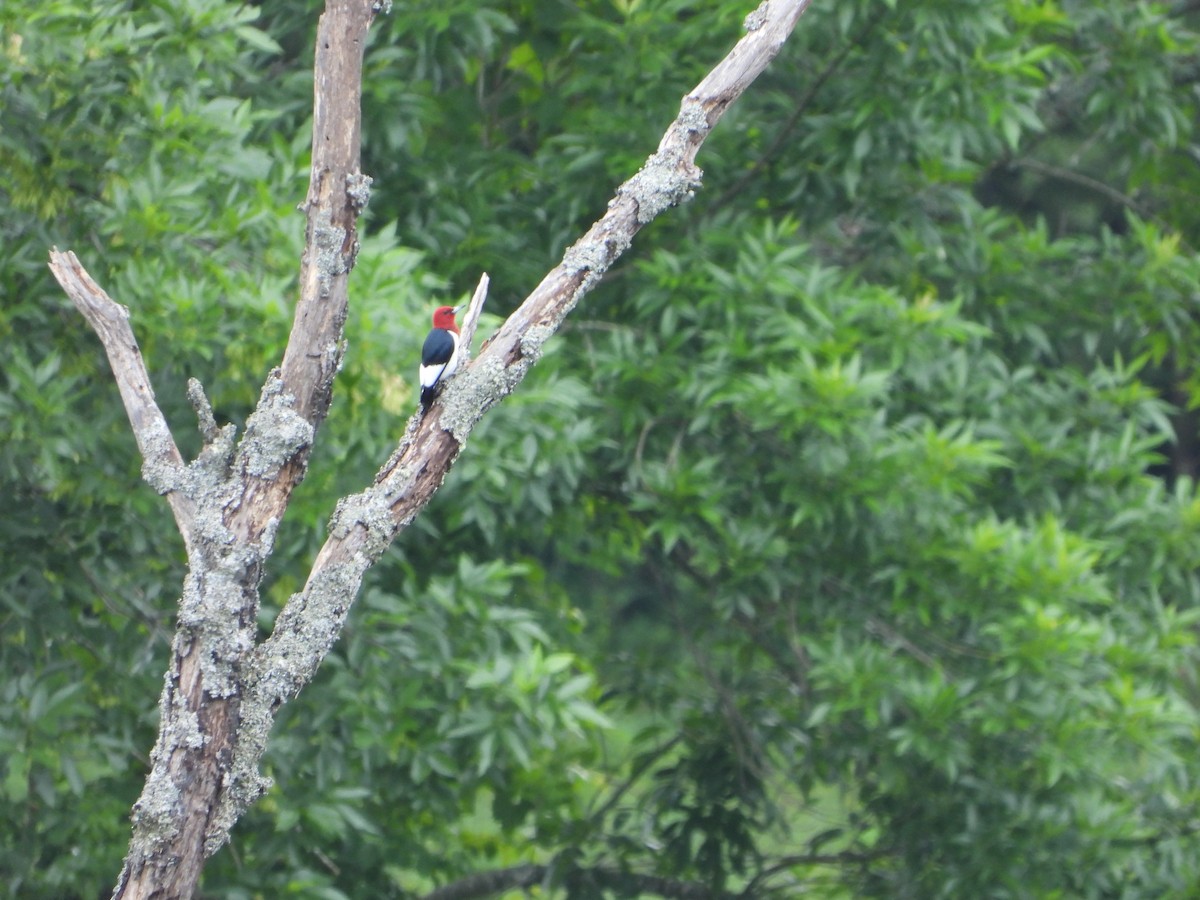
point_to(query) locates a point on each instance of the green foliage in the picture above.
(444, 694)
(852, 597)
(845, 541)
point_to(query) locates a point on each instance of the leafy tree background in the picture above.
(847, 539)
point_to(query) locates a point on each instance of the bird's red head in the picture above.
(443, 317)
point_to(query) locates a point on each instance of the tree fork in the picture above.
(226, 503)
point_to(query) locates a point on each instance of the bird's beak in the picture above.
(459, 307)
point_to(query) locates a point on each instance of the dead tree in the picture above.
(223, 687)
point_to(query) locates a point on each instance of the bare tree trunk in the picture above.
(228, 502)
(222, 690)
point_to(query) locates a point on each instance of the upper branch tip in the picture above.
(755, 20)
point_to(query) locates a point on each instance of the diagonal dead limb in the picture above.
(162, 463)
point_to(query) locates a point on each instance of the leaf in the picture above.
(258, 40)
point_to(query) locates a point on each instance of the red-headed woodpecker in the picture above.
(439, 355)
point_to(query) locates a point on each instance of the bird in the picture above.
(439, 354)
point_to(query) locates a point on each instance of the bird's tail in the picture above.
(427, 395)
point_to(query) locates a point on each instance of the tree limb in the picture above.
(586, 881)
(162, 463)
(757, 884)
(1078, 178)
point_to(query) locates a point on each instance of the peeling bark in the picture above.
(222, 690)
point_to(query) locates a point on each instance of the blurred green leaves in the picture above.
(845, 540)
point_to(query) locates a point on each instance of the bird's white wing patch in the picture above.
(431, 375)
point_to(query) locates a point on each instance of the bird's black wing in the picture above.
(438, 348)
